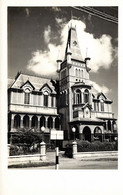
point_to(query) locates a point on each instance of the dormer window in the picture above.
(102, 105)
(46, 98)
(27, 96)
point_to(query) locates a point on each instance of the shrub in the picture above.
(85, 146)
(68, 150)
(23, 149)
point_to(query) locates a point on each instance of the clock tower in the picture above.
(73, 78)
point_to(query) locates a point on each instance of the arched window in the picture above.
(57, 122)
(27, 96)
(50, 122)
(78, 96)
(42, 121)
(17, 121)
(34, 123)
(26, 121)
(109, 125)
(45, 98)
(86, 96)
(97, 130)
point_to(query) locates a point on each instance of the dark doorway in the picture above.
(87, 134)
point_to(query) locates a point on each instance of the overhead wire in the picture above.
(101, 13)
(97, 13)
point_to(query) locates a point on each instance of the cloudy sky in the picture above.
(37, 36)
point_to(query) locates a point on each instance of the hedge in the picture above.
(85, 146)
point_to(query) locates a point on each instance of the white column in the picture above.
(11, 101)
(49, 103)
(106, 125)
(12, 121)
(46, 124)
(30, 121)
(53, 122)
(38, 122)
(21, 122)
(112, 126)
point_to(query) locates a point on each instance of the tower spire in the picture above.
(73, 43)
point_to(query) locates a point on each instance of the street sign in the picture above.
(56, 135)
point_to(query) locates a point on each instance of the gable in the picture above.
(101, 96)
(27, 85)
(46, 88)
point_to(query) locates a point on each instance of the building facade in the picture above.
(70, 101)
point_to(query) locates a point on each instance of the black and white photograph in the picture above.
(62, 87)
(60, 99)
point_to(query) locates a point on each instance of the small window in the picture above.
(86, 96)
(78, 96)
(45, 98)
(102, 106)
(27, 96)
(97, 106)
(52, 101)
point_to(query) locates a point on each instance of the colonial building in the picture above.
(32, 104)
(70, 101)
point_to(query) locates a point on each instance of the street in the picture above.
(70, 163)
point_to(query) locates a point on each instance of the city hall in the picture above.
(36, 101)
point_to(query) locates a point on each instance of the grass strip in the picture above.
(32, 164)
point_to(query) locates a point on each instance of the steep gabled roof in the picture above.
(35, 81)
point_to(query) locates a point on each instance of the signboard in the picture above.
(56, 135)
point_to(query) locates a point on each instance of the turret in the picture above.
(87, 62)
(59, 61)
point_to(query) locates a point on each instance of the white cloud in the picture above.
(47, 33)
(100, 49)
(41, 64)
(100, 88)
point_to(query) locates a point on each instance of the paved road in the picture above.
(69, 163)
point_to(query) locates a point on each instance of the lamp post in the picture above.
(42, 129)
(74, 144)
(42, 145)
(74, 130)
